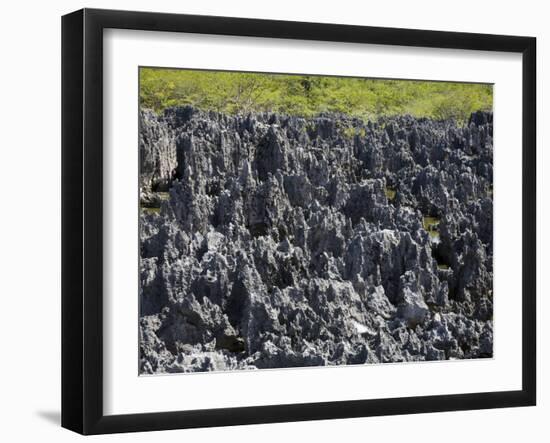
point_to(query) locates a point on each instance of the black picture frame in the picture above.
(82, 214)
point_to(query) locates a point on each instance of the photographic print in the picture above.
(302, 220)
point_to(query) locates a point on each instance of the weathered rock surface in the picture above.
(286, 241)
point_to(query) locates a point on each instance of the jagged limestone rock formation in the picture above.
(288, 242)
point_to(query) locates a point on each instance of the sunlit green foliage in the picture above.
(431, 225)
(351, 132)
(390, 193)
(150, 210)
(304, 95)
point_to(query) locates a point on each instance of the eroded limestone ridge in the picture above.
(270, 241)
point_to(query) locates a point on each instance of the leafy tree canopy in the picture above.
(307, 95)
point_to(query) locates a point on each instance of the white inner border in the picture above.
(125, 392)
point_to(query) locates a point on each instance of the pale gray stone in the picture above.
(272, 241)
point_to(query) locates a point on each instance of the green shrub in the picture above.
(305, 95)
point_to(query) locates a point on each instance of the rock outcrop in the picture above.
(271, 241)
